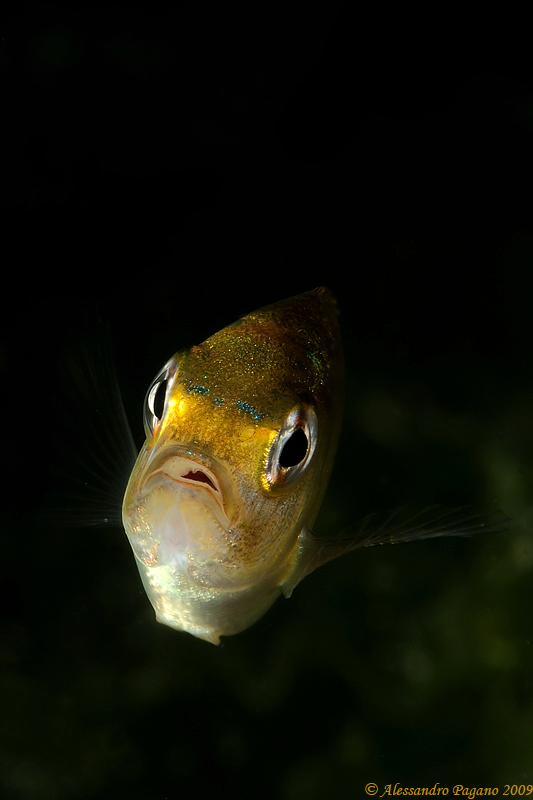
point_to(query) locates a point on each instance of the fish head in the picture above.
(241, 432)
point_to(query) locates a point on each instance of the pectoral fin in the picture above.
(403, 525)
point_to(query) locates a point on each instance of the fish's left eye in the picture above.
(293, 448)
(156, 396)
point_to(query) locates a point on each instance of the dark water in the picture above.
(179, 172)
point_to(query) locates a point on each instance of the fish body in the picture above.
(241, 433)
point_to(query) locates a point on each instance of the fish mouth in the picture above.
(179, 521)
(193, 469)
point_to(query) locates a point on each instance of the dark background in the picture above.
(174, 169)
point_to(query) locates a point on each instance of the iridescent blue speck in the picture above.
(198, 389)
(248, 409)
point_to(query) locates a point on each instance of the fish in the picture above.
(241, 434)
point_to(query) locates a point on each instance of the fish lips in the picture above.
(191, 467)
(182, 500)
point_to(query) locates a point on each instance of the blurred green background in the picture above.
(176, 169)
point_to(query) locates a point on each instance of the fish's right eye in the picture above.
(156, 397)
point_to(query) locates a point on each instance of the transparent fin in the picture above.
(403, 525)
(93, 449)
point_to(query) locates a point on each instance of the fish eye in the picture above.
(292, 450)
(155, 400)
